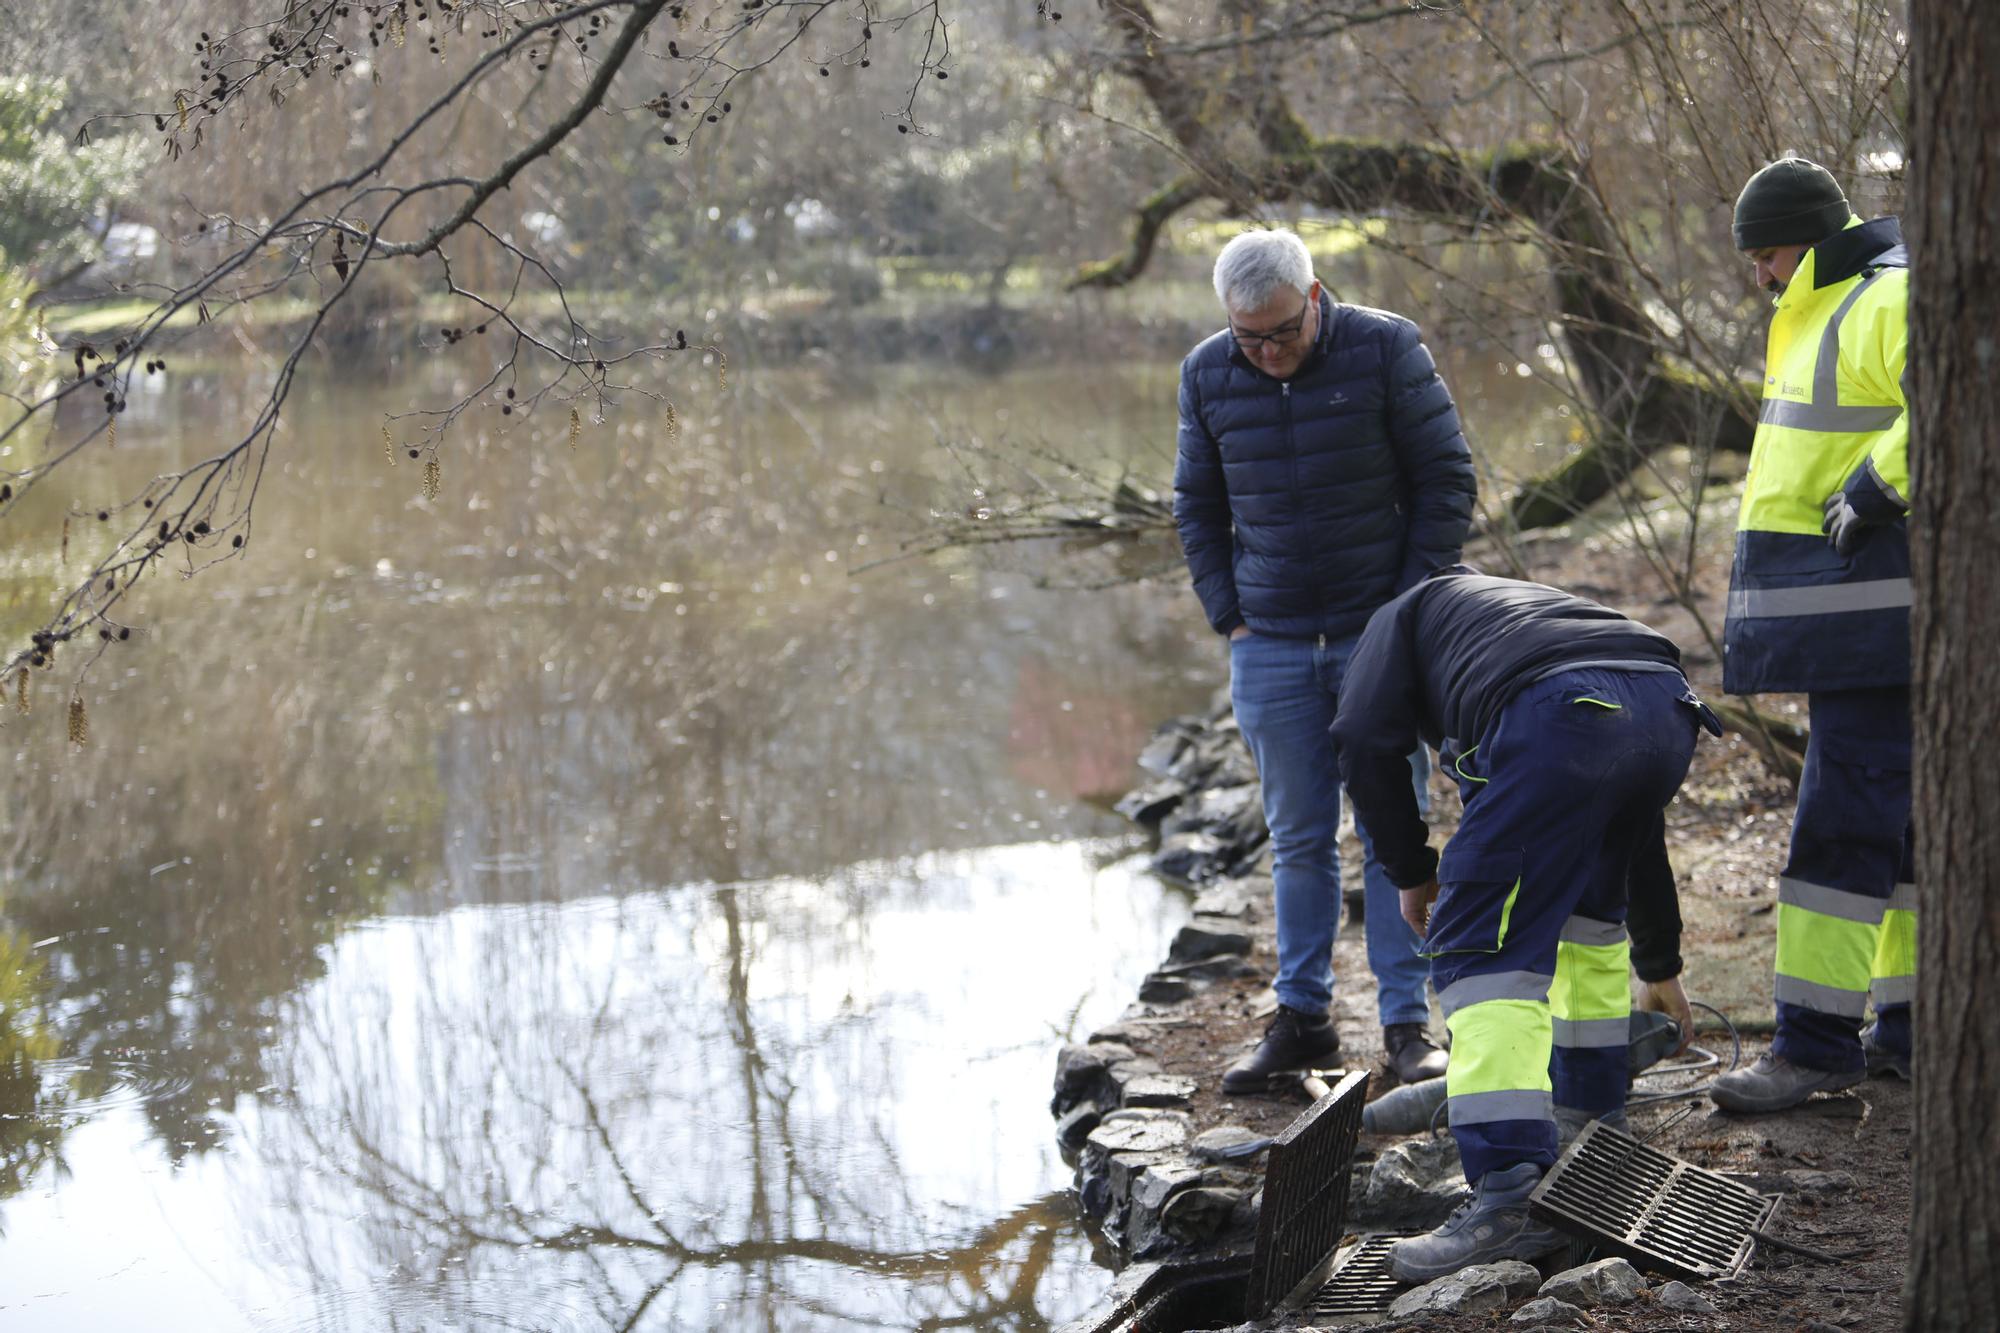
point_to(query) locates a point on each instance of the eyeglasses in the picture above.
(1282, 336)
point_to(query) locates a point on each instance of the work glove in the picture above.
(1842, 523)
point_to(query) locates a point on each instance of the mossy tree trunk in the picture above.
(1247, 148)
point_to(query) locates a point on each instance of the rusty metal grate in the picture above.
(1305, 1196)
(1637, 1202)
(1361, 1288)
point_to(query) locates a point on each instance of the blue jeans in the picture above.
(1285, 692)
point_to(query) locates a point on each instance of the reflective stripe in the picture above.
(1825, 412)
(1896, 946)
(1831, 902)
(1826, 366)
(1585, 930)
(1875, 475)
(1826, 950)
(1499, 1046)
(1822, 600)
(1904, 899)
(1829, 419)
(1494, 986)
(1479, 1108)
(1892, 990)
(1822, 999)
(1593, 1032)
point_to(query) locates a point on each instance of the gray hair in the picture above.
(1252, 267)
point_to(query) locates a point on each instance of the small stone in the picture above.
(1160, 989)
(1546, 1310)
(1150, 803)
(1225, 898)
(1160, 753)
(1124, 1169)
(1158, 1090)
(1205, 937)
(1076, 1124)
(1228, 1143)
(1412, 1186)
(1151, 1191)
(1189, 858)
(1472, 1290)
(1084, 1073)
(1683, 1299)
(1606, 1282)
(1821, 1182)
(1198, 1214)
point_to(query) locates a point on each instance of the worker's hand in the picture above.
(1667, 997)
(1417, 906)
(1842, 523)
(1240, 632)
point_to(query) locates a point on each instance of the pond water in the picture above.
(594, 898)
(581, 901)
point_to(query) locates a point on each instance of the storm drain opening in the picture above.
(1361, 1288)
(1304, 1211)
(1637, 1202)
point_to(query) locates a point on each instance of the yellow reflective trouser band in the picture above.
(1895, 979)
(1826, 947)
(1591, 1000)
(1500, 1062)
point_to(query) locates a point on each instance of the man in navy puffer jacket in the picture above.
(1321, 472)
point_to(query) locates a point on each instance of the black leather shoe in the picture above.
(1293, 1043)
(1412, 1054)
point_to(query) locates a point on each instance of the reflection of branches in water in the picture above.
(473, 1150)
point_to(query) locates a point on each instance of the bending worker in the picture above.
(1569, 728)
(1819, 603)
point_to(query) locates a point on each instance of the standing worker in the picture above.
(1819, 603)
(1321, 471)
(1569, 728)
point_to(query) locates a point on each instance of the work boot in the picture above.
(1294, 1042)
(1774, 1084)
(1883, 1060)
(1570, 1122)
(1412, 1054)
(1492, 1225)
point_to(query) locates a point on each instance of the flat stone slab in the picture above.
(1207, 936)
(1158, 1090)
(1129, 1133)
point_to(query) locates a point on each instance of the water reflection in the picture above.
(576, 903)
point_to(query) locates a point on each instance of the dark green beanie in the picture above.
(1790, 202)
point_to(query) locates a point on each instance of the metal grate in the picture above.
(1631, 1200)
(1361, 1288)
(1305, 1196)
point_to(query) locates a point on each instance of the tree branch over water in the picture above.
(334, 232)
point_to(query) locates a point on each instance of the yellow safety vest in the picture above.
(1801, 616)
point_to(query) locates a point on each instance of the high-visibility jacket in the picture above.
(1803, 617)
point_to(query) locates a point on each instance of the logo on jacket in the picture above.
(1338, 400)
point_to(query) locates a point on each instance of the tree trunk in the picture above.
(1954, 212)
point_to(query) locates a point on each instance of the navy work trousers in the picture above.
(1846, 899)
(1527, 940)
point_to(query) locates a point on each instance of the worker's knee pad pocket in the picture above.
(1479, 888)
